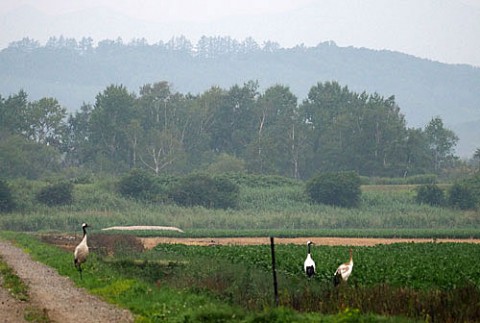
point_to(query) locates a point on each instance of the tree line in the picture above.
(238, 129)
(208, 47)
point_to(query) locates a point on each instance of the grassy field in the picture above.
(387, 210)
(400, 282)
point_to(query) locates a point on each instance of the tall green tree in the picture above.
(275, 148)
(418, 158)
(109, 122)
(476, 155)
(197, 136)
(153, 102)
(384, 138)
(321, 111)
(77, 145)
(46, 122)
(20, 157)
(165, 120)
(13, 113)
(234, 122)
(350, 131)
(442, 142)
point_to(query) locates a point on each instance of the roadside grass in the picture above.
(15, 286)
(19, 290)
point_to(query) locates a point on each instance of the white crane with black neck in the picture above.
(343, 271)
(81, 251)
(309, 264)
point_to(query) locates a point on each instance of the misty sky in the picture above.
(442, 30)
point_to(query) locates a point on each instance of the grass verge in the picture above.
(19, 290)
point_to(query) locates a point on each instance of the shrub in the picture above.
(338, 189)
(56, 194)
(139, 185)
(226, 163)
(460, 196)
(203, 190)
(7, 203)
(430, 194)
(465, 194)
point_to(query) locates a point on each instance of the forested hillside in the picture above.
(74, 72)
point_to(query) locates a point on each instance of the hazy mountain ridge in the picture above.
(422, 88)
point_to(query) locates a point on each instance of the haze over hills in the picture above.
(423, 88)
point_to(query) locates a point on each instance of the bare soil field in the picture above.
(149, 243)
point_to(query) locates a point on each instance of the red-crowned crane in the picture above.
(309, 264)
(81, 251)
(343, 271)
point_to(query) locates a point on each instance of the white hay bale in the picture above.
(143, 227)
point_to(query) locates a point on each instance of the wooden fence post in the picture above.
(274, 272)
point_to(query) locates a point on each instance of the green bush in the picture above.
(56, 194)
(7, 203)
(430, 194)
(338, 189)
(465, 194)
(460, 196)
(203, 190)
(140, 185)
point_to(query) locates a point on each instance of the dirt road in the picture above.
(53, 294)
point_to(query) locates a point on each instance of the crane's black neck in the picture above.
(308, 248)
(84, 231)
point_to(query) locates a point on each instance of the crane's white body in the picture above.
(309, 264)
(81, 251)
(345, 270)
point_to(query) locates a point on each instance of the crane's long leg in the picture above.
(79, 267)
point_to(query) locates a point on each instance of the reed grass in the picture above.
(283, 209)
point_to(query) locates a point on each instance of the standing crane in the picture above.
(343, 271)
(309, 264)
(81, 251)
